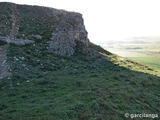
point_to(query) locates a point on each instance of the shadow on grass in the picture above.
(80, 87)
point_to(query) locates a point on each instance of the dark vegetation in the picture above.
(79, 87)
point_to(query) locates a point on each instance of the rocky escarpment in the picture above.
(44, 31)
(13, 31)
(63, 30)
(64, 41)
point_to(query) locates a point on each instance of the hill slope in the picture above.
(55, 73)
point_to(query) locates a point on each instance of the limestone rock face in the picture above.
(64, 41)
(41, 30)
(62, 30)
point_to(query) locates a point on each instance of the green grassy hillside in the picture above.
(152, 62)
(77, 88)
(150, 55)
(144, 53)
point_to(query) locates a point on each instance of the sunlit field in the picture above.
(152, 62)
(147, 53)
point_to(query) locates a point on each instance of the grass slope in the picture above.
(147, 54)
(48, 87)
(152, 62)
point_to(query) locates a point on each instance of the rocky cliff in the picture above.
(63, 30)
(35, 32)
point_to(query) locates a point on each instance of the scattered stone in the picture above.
(18, 84)
(15, 58)
(16, 41)
(4, 67)
(38, 37)
(27, 81)
(23, 65)
(22, 58)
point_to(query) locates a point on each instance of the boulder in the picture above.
(16, 41)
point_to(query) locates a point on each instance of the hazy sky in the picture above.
(108, 20)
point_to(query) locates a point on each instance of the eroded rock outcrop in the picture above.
(65, 28)
(64, 41)
(43, 29)
(11, 38)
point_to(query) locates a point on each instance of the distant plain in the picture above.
(142, 50)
